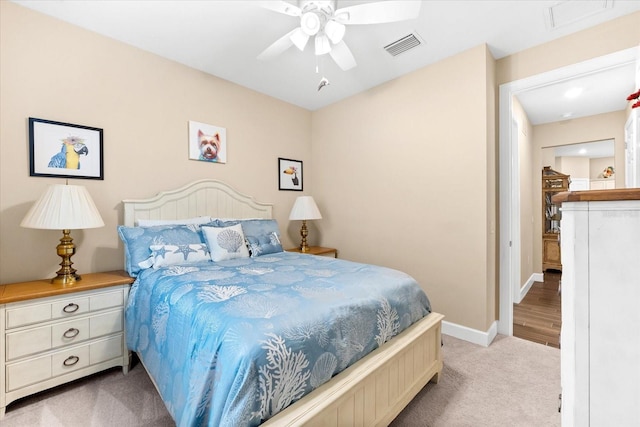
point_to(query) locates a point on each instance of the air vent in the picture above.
(404, 44)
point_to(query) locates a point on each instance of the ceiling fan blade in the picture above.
(343, 56)
(378, 13)
(281, 6)
(279, 46)
(299, 38)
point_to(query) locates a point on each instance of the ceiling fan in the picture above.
(322, 20)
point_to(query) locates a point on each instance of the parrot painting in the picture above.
(69, 155)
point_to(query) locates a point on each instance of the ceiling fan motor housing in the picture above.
(315, 14)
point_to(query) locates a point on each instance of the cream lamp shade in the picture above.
(66, 208)
(303, 209)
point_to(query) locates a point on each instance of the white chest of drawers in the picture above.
(52, 334)
(600, 318)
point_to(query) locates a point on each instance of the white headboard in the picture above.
(200, 198)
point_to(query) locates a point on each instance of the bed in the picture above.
(371, 391)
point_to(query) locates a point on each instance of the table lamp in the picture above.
(304, 208)
(64, 207)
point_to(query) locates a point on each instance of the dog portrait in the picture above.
(207, 143)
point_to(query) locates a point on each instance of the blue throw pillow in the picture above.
(138, 240)
(264, 244)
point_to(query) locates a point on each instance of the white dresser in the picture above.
(52, 334)
(600, 339)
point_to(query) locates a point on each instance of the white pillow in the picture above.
(226, 242)
(153, 222)
(162, 255)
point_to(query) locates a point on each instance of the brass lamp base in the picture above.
(66, 275)
(304, 233)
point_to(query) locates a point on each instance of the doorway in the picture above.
(509, 174)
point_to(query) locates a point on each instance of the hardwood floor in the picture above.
(538, 316)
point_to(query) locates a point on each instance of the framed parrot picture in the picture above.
(65, 150)
(289, 174)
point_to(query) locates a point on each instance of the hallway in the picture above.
(538, 316)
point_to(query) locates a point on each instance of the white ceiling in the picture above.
(224, 38)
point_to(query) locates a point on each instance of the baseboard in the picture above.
(535, 277)
(472, 335)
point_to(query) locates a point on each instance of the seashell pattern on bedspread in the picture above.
(232, 343)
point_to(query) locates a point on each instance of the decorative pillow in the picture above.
(137, 241)
(154, 222)
(162, 255)
(225, 242)
(264, 244)
(263, 235)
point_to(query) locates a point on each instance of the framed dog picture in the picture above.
(289, 174)
(64, 150)
(207, 143)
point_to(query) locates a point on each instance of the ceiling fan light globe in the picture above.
(322, 45)
(335, 31)
(310, 23)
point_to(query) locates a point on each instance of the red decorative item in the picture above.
(633, 96)
(636, 105)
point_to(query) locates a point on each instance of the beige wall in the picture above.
(405, 175)
(575, 166)
(56, 71)
(527, 213)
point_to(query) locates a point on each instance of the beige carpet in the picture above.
(511, 383)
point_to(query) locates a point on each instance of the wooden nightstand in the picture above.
(54, 334)
(317, 250)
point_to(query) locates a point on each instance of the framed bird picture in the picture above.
(289, 174)
(65, 150)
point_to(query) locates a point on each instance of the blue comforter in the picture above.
(234, 342)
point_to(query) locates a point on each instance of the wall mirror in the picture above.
(591, 165)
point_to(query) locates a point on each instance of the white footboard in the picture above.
(373, 391)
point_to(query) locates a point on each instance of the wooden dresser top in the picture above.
(13, 292)
(598, 195)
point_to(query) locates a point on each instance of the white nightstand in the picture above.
(54, 334)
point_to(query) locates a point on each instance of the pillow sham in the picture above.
(162, 255)
(137, 241)
(225, 242)
(154, 222)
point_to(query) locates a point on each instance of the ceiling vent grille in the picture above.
(404, 44)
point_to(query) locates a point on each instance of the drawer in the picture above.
(36, 340)
(38, 369)
(45, 338)
(106, 300)
(22, 314)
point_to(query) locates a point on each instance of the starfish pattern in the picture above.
(185, 250)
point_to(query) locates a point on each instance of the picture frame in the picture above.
(65, 150)
(290, 174)
(207, 143)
